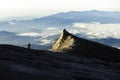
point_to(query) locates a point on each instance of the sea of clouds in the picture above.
(93, 30)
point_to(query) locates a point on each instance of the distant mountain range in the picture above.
(60, 20)
(99, 26)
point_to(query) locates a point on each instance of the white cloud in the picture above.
(44, 41)
(11, 23)
(78, 25)
(97, 30)
(32, 34)
(47, 33)
(52, 28)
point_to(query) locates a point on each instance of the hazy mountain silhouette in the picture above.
(61, 19)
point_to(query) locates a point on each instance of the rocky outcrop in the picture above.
(64, 42)
(69, 43)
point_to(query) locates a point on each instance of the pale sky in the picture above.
(21, 8)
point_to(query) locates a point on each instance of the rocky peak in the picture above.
(69, 43)
(64, 34)
(64, 42)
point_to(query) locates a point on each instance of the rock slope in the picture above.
(17, 63)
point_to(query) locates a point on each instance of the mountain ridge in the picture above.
(69, 43)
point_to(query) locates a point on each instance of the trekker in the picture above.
(29, 45)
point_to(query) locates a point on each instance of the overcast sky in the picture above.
(21, 8)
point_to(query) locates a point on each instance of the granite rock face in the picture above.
(17, 63)
(64, 42)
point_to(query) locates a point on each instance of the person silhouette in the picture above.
(29, 45)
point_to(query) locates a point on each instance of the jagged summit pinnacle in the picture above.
(64, 34)
(64, 31)
(69, 43)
